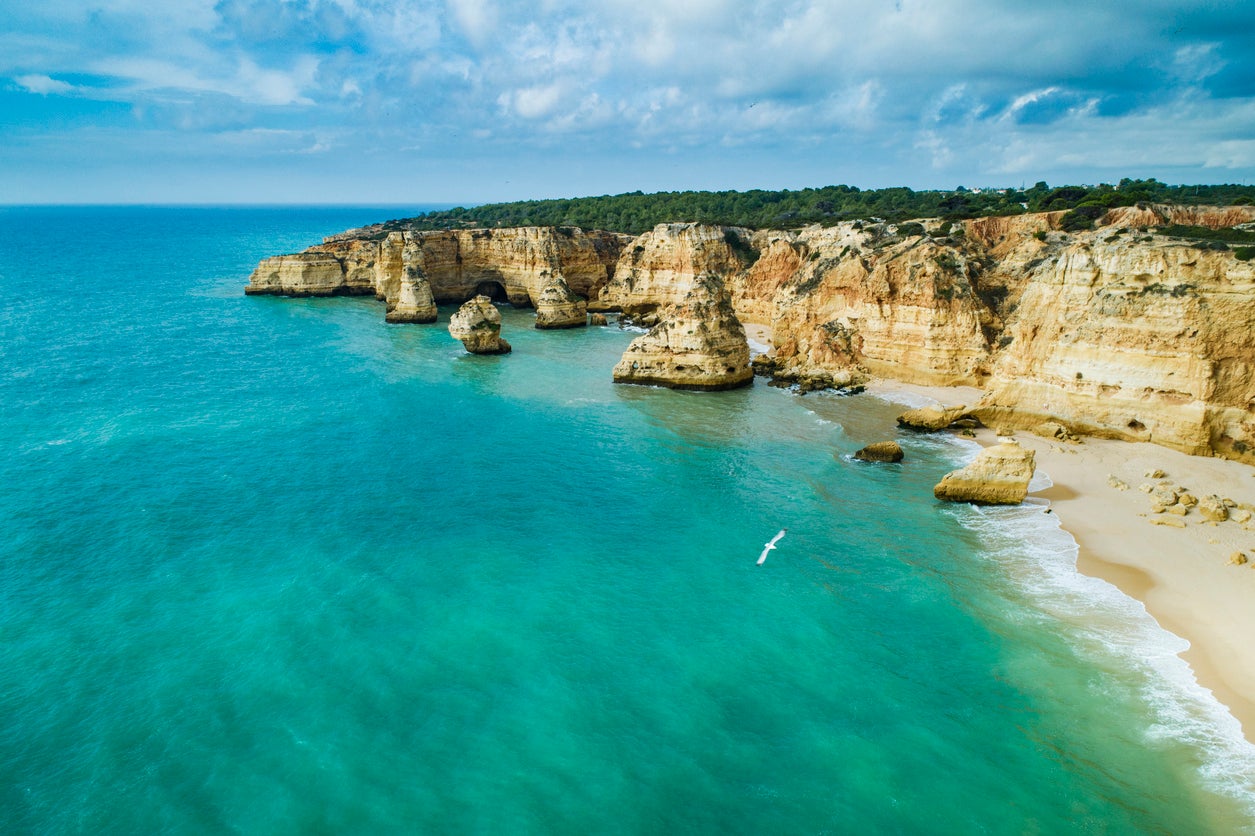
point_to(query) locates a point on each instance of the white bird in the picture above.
(771, 545)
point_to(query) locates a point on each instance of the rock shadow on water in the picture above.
(704, 419)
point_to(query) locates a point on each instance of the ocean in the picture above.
(274, 566)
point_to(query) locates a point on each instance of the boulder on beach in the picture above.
(931, 418)
(881, 451)
(478, 325)
(1213, 508)
(998, 475)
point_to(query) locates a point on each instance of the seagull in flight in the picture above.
(771, 545)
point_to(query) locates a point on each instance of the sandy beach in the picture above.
(1182, 575)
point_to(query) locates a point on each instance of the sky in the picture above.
(472, 101)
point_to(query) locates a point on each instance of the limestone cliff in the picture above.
(660, 267)
(457, 264)
(1118, 331)
(697, 344)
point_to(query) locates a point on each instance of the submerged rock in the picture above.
(558, 307)
(697, 344)
(881, 451)
(478, 325)
(414, 299)
(598, 319)
(997, 476)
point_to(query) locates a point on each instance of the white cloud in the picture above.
(536, 102)
(1021, 102)
(44, 85)
(476, 19)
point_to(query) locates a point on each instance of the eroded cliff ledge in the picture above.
(1120, 331)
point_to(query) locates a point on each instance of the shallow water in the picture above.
(271, 565)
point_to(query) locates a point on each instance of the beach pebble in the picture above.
(1163, 497)
(1155, 474)
(1213, 508)
(1146, 487)
(1116, 482)
(1178, 509)
(1237, 559)
(1189, 500)
(1240, 515)
(1174, 522)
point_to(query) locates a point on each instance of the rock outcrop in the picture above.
(881, 451)
(1120, 331)
(414, 302)
(660, 267)
(931, 418)
(558, 307)
(478, 325)
(697, 344)
(302, 274)
(512, 264)
(998, 475)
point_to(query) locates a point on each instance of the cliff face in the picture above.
(660, 267)
(1146, 341)
(457, 264)
(697, 344)
(1118, 331)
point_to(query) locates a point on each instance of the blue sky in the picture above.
(384, 101)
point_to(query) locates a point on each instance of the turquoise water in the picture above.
(273, 566)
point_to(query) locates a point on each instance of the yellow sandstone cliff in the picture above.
(1119, 331)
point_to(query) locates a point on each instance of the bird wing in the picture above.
(776, 539)
(762, 557)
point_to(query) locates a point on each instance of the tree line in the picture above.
(636, 212)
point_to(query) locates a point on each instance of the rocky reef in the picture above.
(1126, 330)
(697, 344)
(478, 325)
(999, 475)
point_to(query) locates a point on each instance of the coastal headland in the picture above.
(1075, 340)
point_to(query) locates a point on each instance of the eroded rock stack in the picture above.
(558, 307)
(478, 325)
(998, 475)
(414, 301)
(697, 344)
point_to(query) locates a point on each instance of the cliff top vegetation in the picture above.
(636, 212)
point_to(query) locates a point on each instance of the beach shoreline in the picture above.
(1182, 576)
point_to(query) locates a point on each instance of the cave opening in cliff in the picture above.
(493, 290)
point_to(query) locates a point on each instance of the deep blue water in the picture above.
(273, 566)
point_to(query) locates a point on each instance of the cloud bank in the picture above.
(469, 100)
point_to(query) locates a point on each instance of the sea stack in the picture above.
(414, 299)
(478, 325)
(558, 307)
(997, 476)
(697, 344)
